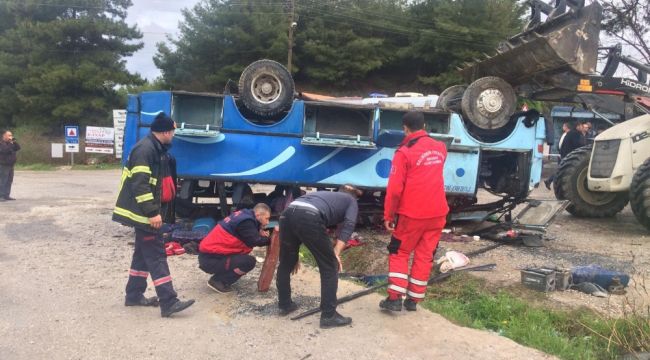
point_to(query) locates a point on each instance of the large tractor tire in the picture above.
(571, 184)
(489, 103)
(266, 88)
(451, 98)
(640, 194)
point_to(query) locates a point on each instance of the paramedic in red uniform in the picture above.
(224, 252)
(415, 210)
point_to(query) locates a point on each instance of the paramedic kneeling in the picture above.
(224, 252)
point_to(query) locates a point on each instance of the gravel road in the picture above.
(64, 265)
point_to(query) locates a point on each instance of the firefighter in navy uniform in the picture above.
(224, 252)
(146, 193)
(416, 195)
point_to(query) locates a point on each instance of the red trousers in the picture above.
(420, 237)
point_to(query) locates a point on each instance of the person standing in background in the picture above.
(565, 130)
(8, 149)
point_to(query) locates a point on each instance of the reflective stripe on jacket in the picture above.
(139, 192)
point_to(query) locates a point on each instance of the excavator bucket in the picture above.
(566, 42)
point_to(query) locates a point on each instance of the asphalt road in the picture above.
(64, 265)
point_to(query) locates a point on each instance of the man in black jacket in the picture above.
(305, 222)
(146, 193)
(573, 140)
(8, 149)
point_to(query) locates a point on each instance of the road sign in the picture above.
(119, 121)
(71, 148)
(57, 150)
(71, 135)
(99, 140)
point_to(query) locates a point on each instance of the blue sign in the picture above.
(71, 134)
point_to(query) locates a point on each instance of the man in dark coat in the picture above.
(573, 140)
(8, 149)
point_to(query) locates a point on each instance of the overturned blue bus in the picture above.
(229, 143)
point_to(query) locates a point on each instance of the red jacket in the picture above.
(416, 185)
(221, 242)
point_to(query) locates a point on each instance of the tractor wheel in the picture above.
(640, 194)
(450, 98)
(489, 102)
(266, 88)
(571, 184)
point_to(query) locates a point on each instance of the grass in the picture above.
(525, 317)
(35, 153)
(101, 166)
(576, 334)
(50, 167)
(306, 256)
(35, 167)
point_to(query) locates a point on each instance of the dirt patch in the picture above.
(618, 243)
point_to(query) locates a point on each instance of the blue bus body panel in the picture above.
(291, 124)
(275, 153)
(152, 103)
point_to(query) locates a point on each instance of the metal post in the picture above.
(291, 26)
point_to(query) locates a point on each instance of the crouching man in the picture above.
(224, 252)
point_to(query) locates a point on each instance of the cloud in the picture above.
(156, 19)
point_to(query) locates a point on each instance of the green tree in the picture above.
(218, 39)
(343, 46)
(61, 61)
(342, 41)
(628, 21)
(460, 31)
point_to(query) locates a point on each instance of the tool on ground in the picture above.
(434, 279)
(270, 262)
(547, 278)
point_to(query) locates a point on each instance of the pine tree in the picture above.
(61, 61)
(343, 46)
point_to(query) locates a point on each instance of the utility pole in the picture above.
(292, 24)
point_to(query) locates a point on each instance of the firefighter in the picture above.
(224, 251)
(146, 193)
(416, 197)
(305, 221)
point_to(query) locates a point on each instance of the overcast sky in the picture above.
(156, 19)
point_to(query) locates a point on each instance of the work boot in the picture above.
(286, 310)
(547, 183)
(410, 305)
(178, 306)
(392, 305)
(143, 301)
(334, 321)
(218, 286)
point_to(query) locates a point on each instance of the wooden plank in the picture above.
(270, 262)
